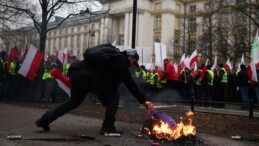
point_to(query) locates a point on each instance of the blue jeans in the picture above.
(244, 95)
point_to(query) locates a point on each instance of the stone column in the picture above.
(126, 27)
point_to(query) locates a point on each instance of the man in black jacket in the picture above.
(101, 72)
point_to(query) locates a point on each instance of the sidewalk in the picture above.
(228, 110)
(20, 120)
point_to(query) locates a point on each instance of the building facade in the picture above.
(209, 26)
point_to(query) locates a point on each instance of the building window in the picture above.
(223, 21)
(240, 1)
(54, 43)
(177, 23)
(78, 40)
(224, 47)
(241, 18)
(192, 8)
(192, 25)
(158, 22)
(78, 28)
(85, 27)
(92, 38)
(66, 41)
(207, 48)
(72, 30)
(85, 38)
(54, 33)
(66, 31)
(257, 15)
(223, 3)
(60, 42)
(177, 47)
(49, 41)
(60, 31)
(207, 22)
(158, 6)
(178, 8)
(210, 5)
(121, 39)
(93, 26)
(72, 40)
(192, 46)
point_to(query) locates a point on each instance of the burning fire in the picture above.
(163, 131)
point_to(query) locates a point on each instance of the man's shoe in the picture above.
(44, 127)
(110, 132)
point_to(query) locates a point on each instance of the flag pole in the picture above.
(160, 54)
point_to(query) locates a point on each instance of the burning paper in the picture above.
(163, 127)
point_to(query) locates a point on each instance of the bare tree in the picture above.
(41, 13)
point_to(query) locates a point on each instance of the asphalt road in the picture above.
(20, 120)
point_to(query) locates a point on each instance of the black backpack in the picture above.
(98, 54)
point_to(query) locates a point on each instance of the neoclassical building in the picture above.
(183, 25)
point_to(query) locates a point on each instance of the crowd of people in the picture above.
(209, 88)
(206, 87)
(14, 86)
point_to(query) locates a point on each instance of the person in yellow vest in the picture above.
(66, 66)
(197, 84)
(50, 86)
(12, 77)
(207, 87)
(221, 83)
(154, 83)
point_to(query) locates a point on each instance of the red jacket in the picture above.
(169, 71)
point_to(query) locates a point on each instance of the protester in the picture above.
(197, 84)
(207, 87)
(257, 85)
(221, 83)
(101, 72)
(50, 87)
(187, 82)
(242, 82)
(2, 73)
(170, 75)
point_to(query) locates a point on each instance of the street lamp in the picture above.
(89, 23)
(134, 24)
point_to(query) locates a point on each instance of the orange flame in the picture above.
(164, 131)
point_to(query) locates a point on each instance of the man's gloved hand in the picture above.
(149, 106)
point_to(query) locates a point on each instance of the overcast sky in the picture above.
(93, 7)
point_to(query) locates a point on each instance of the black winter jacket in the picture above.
(107, 77)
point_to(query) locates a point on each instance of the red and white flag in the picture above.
(46, 57)
(63, 81)
(214, 66)
(12, 53)
(31, 63)
(228, 65)
(63, 55)
(193, 58)
(181, 65)
(204, 69)
(175, 67)
(251, 72)
(195, 70)
(187, 62)
(75, 53)
(115, 42)
(25, 49)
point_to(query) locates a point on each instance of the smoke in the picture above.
(168, 96)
